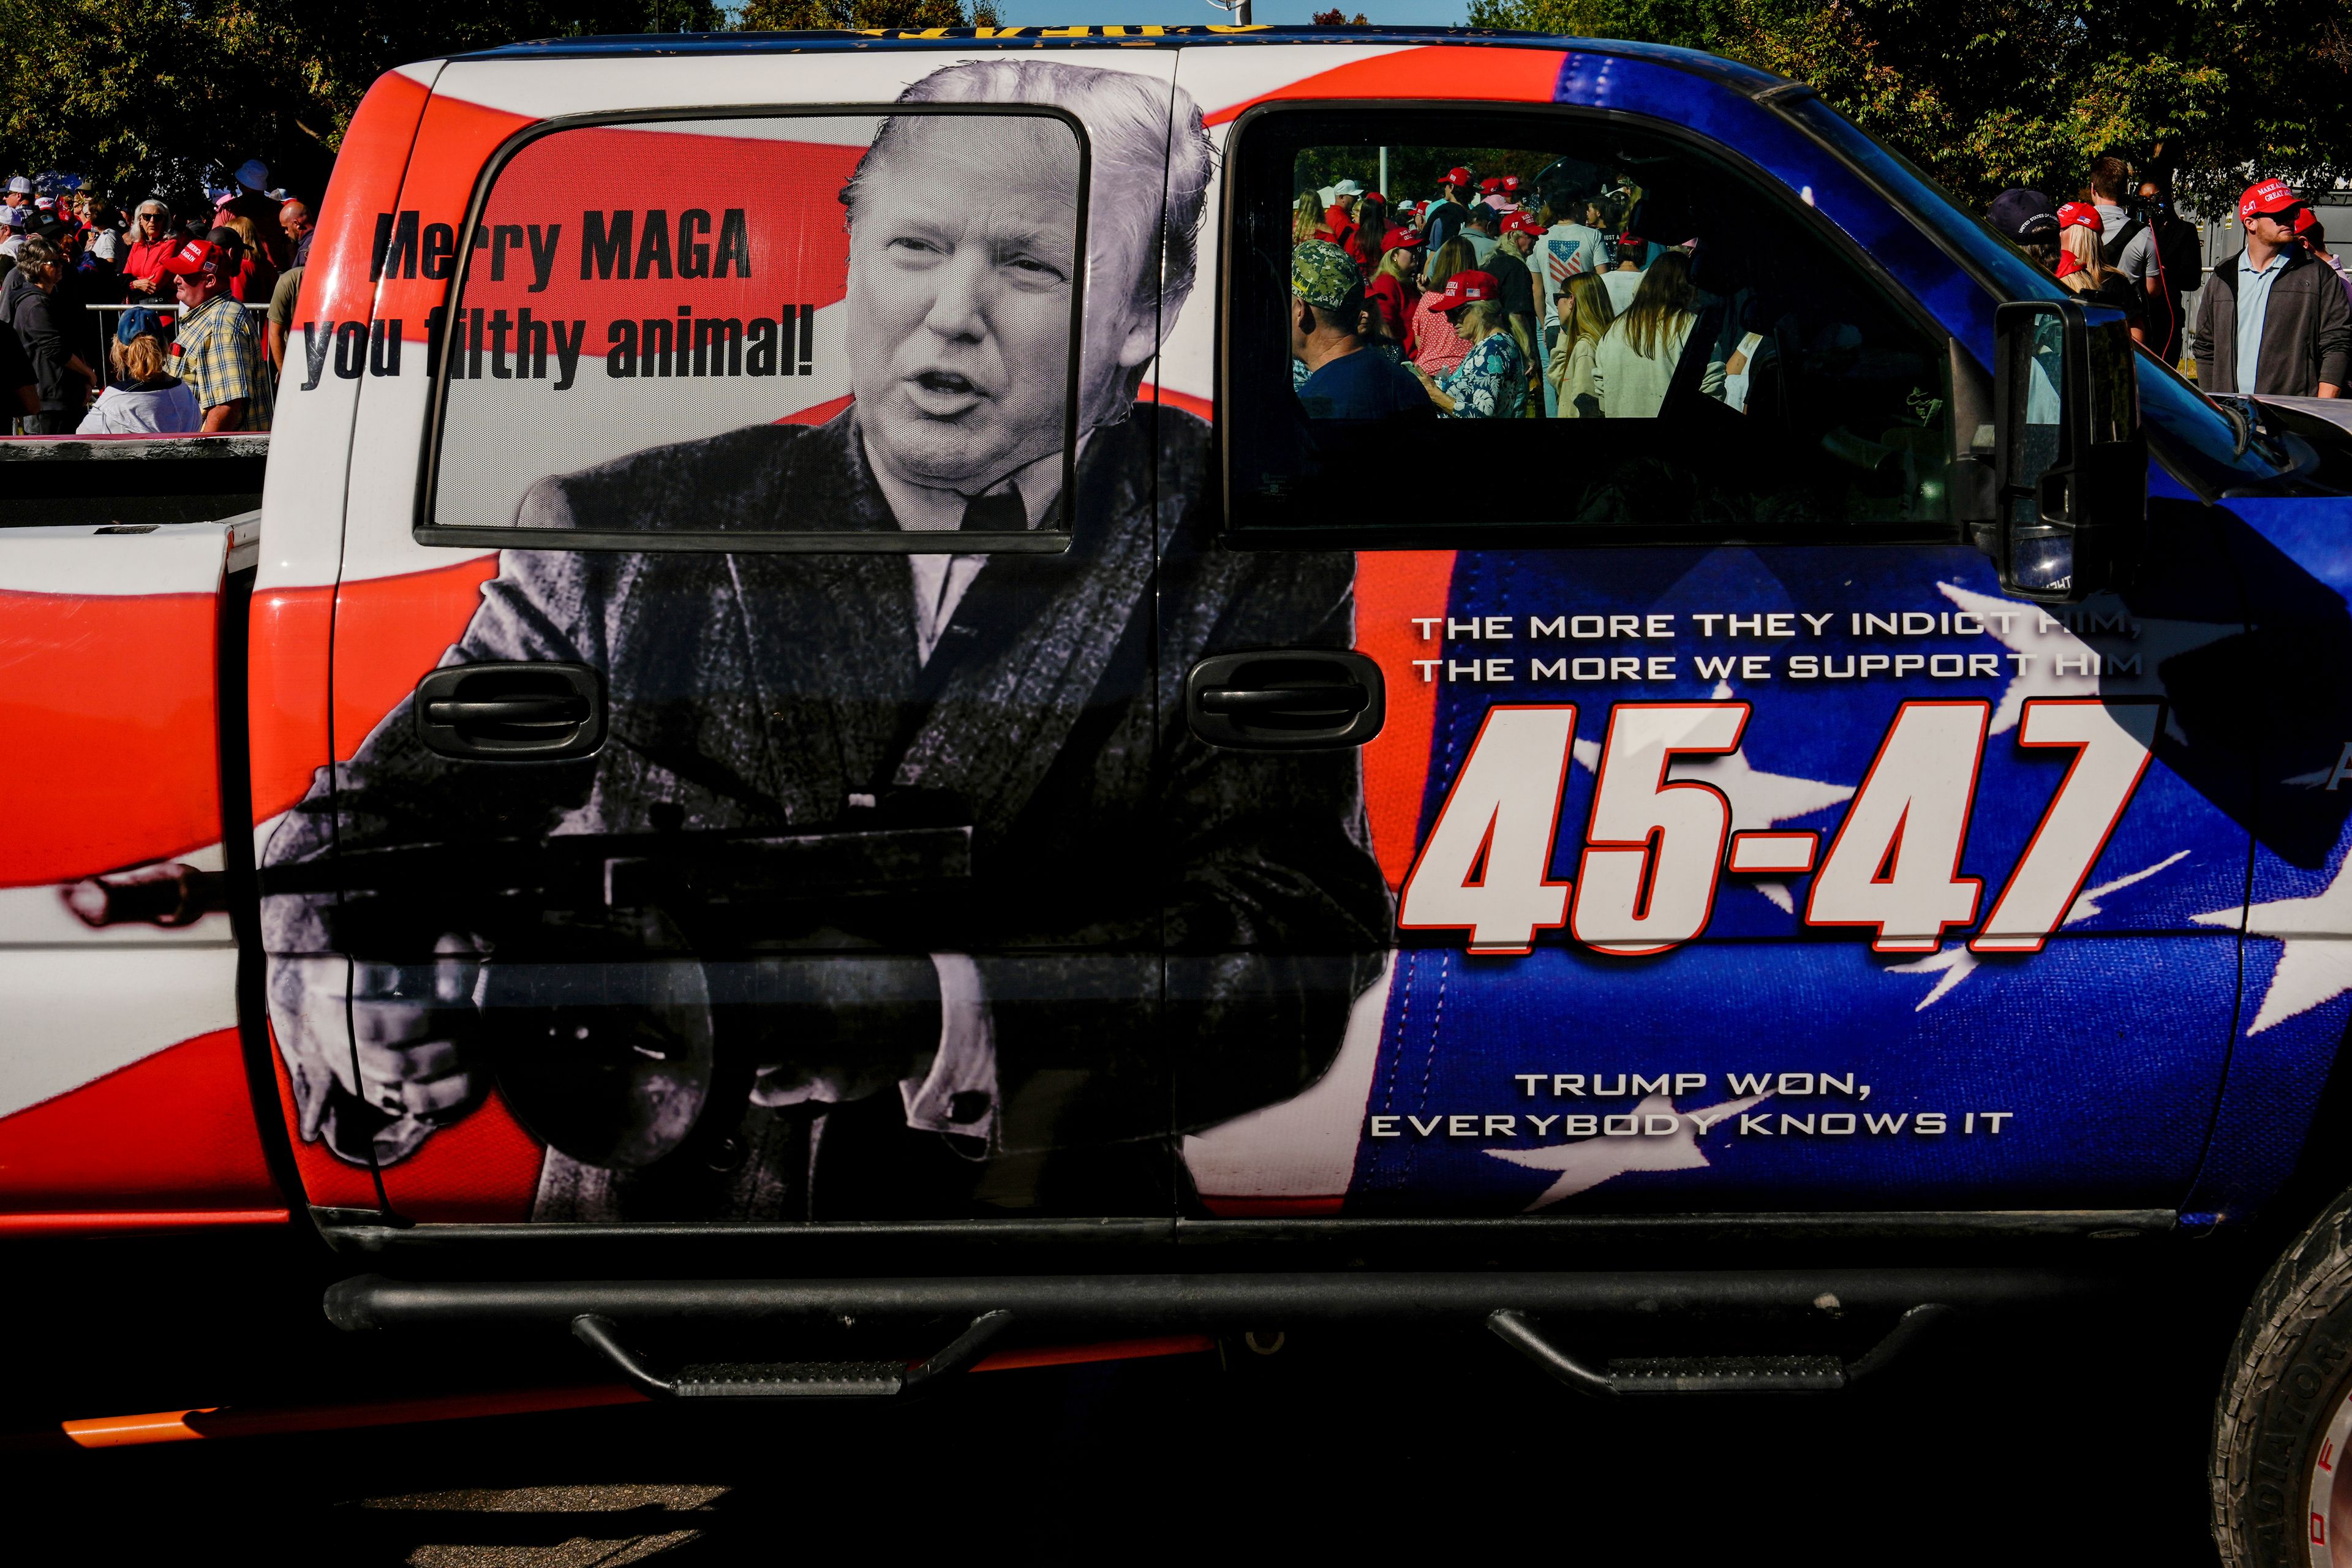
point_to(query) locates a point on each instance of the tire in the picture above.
(2282, 1487)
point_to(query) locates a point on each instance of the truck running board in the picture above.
(1164, 1302)
(793, 1379)
(1714, 1374)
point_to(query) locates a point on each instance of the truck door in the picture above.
(1750, 850)
(763, 846)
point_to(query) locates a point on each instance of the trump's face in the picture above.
(961, 262)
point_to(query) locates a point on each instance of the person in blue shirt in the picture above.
(1345, 379)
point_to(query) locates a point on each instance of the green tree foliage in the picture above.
(162, 96)
(1986, 94)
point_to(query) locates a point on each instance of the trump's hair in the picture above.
(1135, 145)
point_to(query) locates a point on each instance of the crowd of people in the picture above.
(2275, 318)
(1491, 304)
(195, 309)
(1486, 302)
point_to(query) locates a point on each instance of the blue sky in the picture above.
(1070, 13)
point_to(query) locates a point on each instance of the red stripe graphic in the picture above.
(174, 1130)
(1392, 588)
(107, 719)
(1511, 75)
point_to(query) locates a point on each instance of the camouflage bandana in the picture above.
(1324, 275)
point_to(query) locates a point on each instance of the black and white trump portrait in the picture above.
(897, 885)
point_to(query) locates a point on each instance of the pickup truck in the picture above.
(1028, 823)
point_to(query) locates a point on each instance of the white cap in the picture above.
(253, 174)
(20, 186)
(1347, 188)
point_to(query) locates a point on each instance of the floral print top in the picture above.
(1490, 383)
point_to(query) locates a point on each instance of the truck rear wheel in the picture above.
(2282, 1477)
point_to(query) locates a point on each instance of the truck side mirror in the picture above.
(2070, 457)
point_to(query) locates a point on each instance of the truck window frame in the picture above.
(1050, 537)
(1966, 383)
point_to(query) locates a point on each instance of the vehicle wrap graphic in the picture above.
(122, 1089)
(1732, 877)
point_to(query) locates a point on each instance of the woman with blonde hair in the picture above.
(144, 398)
(1305, 218)
(255, 277)
(1437, 347)
(2083, 265)
(1584, 319)
(1635, 364)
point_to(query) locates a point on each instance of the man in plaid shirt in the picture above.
(220, 350)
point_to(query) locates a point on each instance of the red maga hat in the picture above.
(1457, 177)
(1466, 289)
(2305, 221)
(2079, 215)
(194, 256)
(1521, 222)
(1402, 238)
(2266, 197)
(1491, 183)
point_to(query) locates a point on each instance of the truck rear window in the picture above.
(642, 305)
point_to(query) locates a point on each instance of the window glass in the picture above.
(641, 305)
(1602, 328)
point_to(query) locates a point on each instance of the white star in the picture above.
(2086, 902)
(2154, 642)
(1589, 1162)
(1955, 963)
(2314, 962)
(1758, 799)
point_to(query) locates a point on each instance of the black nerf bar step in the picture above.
(793, 1379)
(1231, 1301)
(1714, 1374)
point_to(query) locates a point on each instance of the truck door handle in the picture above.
(530, 712)
(1297, 699)
(524, 712)
(1334, 700)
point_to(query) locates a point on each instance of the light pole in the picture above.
(1239, 10)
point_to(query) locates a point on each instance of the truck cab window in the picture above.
(763, 273)
(1604, 331)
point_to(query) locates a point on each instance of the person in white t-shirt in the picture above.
(1624, 278)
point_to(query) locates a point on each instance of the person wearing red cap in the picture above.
(2314, 237)
(1508, 263)
(1491, 382)
(2083, 265)
(1390, 290)
(221, 355)
(2272, 319)
(1443, 218)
